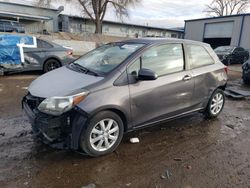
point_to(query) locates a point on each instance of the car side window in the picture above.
(43, 44)
(164, 59)
(198, 56)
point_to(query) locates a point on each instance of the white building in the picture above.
(76, 24)
(37, 19)
(34, 19)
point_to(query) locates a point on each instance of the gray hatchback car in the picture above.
(123, 86)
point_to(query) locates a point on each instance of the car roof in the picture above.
(150, 40)
(50, 42)
(232, 47)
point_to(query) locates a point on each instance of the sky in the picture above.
(157, 13)
(167, 13)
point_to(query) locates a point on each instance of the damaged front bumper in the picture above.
(61, 132)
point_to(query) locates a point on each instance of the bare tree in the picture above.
(96, 9)
(44, 3)
(227, 7)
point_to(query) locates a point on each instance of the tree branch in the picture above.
(84, 5)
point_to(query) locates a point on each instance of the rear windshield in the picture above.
(107, 57)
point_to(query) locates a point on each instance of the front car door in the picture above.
(167, 96)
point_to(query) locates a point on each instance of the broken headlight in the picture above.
(59, 105)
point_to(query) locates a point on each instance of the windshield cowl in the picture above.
(79, 68)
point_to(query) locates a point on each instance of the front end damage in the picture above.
(61, 132)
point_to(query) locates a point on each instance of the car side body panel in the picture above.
(207, 80)
(107, 99)
(167, 96)
(146, 102)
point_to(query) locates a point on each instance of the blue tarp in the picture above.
(9, 50)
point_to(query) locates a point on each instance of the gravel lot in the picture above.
(190, 152)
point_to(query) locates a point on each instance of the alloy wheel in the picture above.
(53, 65)
(217, 104)
(104, 135)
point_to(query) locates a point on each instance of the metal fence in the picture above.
(6, 27)
(11, 26)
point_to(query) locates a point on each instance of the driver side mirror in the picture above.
(147, 74)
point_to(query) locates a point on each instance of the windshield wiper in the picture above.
(84, 69)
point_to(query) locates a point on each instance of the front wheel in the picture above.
(215, 104)
(103, 134)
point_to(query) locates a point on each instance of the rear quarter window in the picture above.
(198, 56)
(43, 44)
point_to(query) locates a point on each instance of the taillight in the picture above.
(226, 69)
(70, 52)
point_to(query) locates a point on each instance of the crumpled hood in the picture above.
(60, 82)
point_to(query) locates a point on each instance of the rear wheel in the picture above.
(51, 64)
(215, 104)
(102, 135)
(245, 59)
(246, 80)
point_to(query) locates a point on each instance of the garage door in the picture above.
(219, 30)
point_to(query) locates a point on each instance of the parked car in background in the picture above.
(232, 55)
(26, 53)
(11, 26)
(47, 56)
(246, 72)
(123, 86)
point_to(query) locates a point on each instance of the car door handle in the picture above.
(187, 77)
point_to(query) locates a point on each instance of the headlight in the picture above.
(59, 105)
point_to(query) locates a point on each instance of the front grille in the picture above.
(33, 101)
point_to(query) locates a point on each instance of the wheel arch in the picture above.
(222, 87)
(115, 110)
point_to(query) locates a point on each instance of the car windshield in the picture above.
(107, 57)
(224, 49)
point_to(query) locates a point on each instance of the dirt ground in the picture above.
(187, 153)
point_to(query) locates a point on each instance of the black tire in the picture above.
(51, 64)
(87, 134)
(210, 112)
(246, 81)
